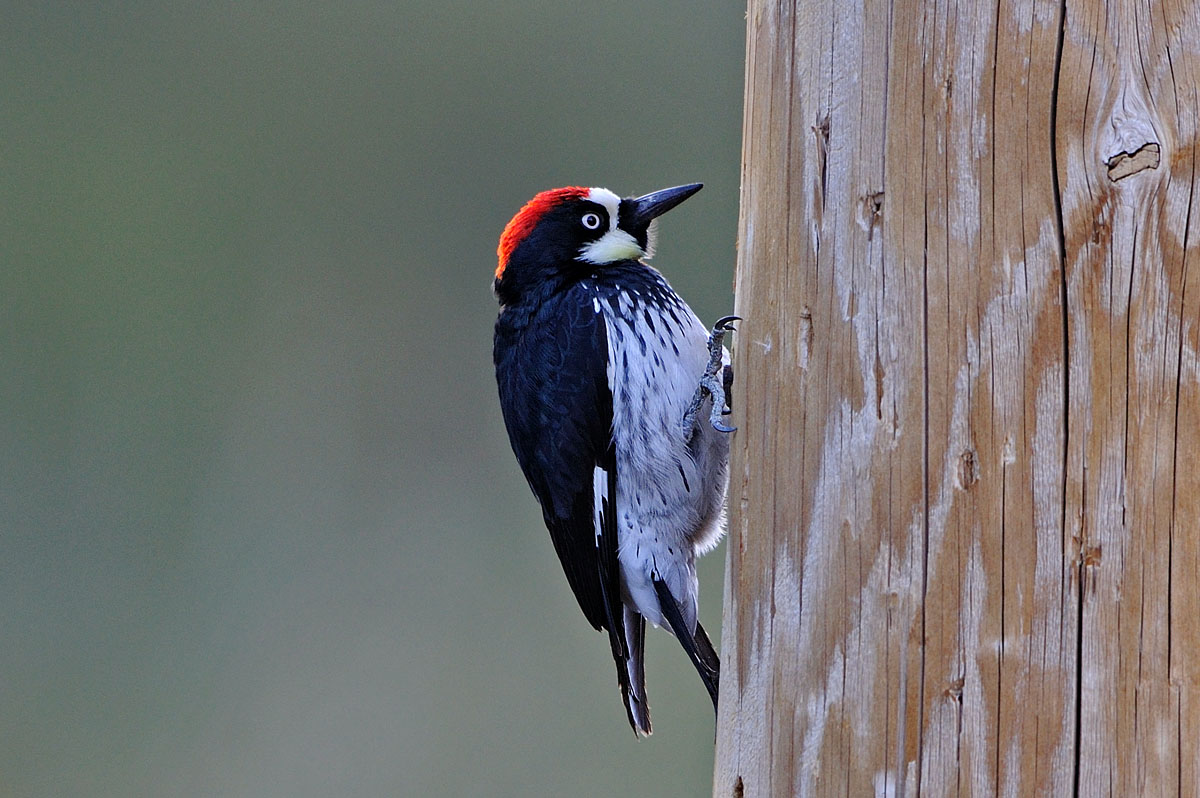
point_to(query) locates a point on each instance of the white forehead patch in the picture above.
(610, 201)
(616, 244)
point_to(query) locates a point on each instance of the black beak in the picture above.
(643, 210)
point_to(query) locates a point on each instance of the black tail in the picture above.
(631, 674)
(627, 641)
(697, 645)
(626, 628)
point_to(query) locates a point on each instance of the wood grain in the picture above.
(965, 546)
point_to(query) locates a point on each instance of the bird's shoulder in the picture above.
(551, 369)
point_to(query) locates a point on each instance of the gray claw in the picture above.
(713, 387)
(726, 323)
(709, 384)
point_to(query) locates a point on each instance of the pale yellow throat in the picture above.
(613, 246)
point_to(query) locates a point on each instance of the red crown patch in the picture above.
(527, 218)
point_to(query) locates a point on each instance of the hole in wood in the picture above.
(968, 469)
(1124, 164)
(871, 212)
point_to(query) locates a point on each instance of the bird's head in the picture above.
(574, 229)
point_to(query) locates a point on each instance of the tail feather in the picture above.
(633, 686)
(694, 640)
(710, 660)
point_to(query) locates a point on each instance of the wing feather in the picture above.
(551, 368)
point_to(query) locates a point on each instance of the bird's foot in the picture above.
(711, 384)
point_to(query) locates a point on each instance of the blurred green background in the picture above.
(261, 532)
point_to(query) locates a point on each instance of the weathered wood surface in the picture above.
(965, 508)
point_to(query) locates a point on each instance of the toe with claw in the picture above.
(715, 381)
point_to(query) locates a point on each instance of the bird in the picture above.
(605, 376)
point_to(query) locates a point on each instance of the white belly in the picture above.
(670, 494)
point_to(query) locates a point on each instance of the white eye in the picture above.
(591, 221)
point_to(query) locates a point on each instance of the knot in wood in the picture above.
(1128, 142)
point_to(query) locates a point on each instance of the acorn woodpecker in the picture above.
(605, 375)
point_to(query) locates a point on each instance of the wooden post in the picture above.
(964, 552)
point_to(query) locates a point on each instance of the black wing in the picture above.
(551, 368)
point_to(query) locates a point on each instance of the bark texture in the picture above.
(965, 506)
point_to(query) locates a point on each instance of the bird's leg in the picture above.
(710, 383)
(727, 384)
